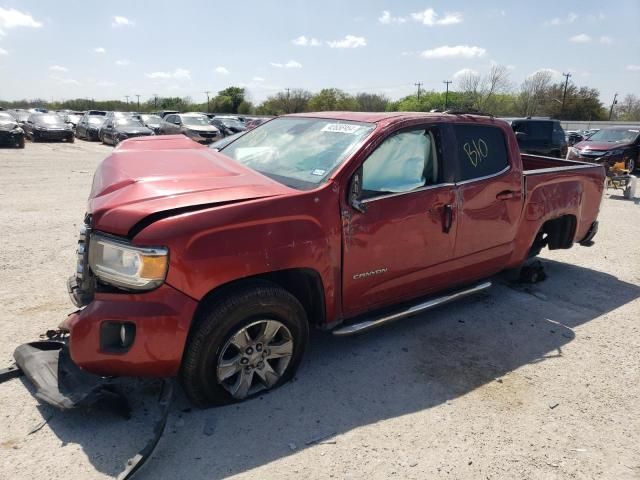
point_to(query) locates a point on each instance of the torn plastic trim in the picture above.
(11, 372)
(136, 462)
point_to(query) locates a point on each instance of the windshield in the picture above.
(151, 118)
(96, 120)
(615, 135)
(299, 152)
(128, 122)
(48, 119)
(198, 121)
(6, 117)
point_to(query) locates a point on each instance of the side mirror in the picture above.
(355, 190)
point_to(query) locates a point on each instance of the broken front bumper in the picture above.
(58, 381)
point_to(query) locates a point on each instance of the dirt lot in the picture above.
(528, 383)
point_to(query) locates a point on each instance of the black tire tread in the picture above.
(212, 317)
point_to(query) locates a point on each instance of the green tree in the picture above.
(332, 99)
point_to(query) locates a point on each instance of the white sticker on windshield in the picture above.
(341, 128)
(318, 171)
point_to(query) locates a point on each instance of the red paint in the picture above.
(261, 226)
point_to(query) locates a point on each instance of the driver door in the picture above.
(396, 247)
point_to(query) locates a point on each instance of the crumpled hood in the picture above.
(150, 175)
(600, 146)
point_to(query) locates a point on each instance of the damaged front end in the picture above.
(60, 382)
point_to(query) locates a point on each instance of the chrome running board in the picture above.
(365, 325)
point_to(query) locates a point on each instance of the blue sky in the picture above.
(67, 49)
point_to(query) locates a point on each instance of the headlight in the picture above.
(611, 153)
(121, 264)
(18, 130)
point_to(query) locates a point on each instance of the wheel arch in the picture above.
(305, 284)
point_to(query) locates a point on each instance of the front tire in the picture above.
(20, 142)
(243, 344)
(632, 165)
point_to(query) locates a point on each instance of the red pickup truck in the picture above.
(214, 265)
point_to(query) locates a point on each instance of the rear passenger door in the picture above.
(489, 196)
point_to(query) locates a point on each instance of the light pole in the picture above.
(127, 97)
(418, 84)
(564, 94)
(446, 95)
(207, 94)
(138, 102)
(612, 104)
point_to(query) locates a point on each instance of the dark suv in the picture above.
(540, 136)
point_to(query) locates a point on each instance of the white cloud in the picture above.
(386, 18)
(119, 21)
(303, 41)
(64, 81)
(606, 40)
(463, 51)
(289, 64)
(177, 74)
(633, 68)
(257, 79)
(450, 19)
(581, 38)
(99, 50)
(570, 18)
(222, 71)
(12, 18)
(349, 41)
(463, 73)
(122, 63)
(3, 52)
(554, 73)
(430, 18)
(58, 68)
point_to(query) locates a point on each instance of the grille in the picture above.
(82, 251)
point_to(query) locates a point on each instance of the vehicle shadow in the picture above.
(635, 200)
(345, 383)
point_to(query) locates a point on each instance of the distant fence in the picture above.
(574, 125)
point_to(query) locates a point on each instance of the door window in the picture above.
(481, 151)
(402, 163)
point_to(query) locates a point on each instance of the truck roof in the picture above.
(388, 117)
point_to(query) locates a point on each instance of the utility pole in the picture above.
(288, 100)
(418, 84)
(155, 101)
(127, 97)
(612, 104)
(564, 94)
(207, 94)
(446, 95)
(138, 102)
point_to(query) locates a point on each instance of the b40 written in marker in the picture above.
(476, 151)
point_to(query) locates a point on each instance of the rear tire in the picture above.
(20, 143)
(234, 333)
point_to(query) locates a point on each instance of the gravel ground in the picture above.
(529, 383)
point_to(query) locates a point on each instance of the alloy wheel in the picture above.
(254, 358)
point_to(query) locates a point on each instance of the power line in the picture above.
(446, 95)
(418, 84)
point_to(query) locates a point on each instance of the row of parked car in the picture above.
(545, 136)
(113, 127)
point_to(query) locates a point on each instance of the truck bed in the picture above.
(536, 164)
(555, 188)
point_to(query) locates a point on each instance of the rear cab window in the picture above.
(481, 151)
